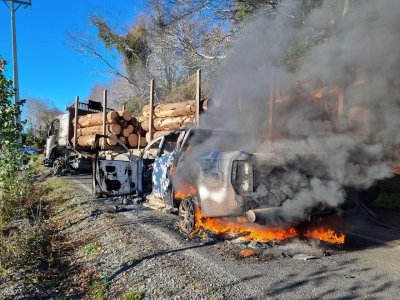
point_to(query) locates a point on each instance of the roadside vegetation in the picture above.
(389, 196)
(26, 250)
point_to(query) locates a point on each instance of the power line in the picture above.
(13, 6)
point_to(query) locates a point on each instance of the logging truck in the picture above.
(71, 136)
(61, 148)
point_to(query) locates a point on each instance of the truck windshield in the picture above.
(54, 128)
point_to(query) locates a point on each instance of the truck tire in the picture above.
(187, 216)
(57, 166)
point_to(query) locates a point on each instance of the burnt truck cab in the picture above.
(57, 136)
(147, 172)
(150, 171)
(190, 168)
(60, 150)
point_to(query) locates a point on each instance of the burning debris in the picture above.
(255, 232)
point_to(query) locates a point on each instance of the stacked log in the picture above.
(120, 126)
(171, 116)
(97, 119)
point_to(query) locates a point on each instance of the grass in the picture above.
(98, 289)
(91, 249)
(134, 295)
(389, 196)
(56, 189)
(25, 233)
(388, 201)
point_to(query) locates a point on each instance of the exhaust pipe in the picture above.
(265, 216)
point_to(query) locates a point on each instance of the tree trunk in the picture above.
(170, 123)
(143, 142)
(93, 130)
(127, 131)
(123, 140)
(123, 123)
(126, 115)
(97, 119)
(133, 140)
(88, 140)
(176, 109)
(133, 122)
(155, 135)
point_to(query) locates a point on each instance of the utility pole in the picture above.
(13, 6)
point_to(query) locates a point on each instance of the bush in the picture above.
(20, 225)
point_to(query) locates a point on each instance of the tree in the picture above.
(11, 153)
(39, 114)
(168, 43)
(9, 130)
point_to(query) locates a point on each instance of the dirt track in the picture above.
(103, 248)
(142, 251)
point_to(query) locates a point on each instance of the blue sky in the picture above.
(49, 68)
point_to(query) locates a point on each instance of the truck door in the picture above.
(163, 163)
(145, 166)
(114, 174)
(52, 141)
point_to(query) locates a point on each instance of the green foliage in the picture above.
(22, 246)
(9, 131)
(388, 201)
(134, 295)
(21, 238)
(98, 289)
(91, 249)
(133, 46)
(13, 176)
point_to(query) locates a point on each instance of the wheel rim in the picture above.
(186, 216)
(57, 166)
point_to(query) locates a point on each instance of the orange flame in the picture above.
(248, 231)
(255, 232)
(185, 191)
(326, 235)
(247, 252)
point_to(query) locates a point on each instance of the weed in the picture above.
(388, 200)
(98, 289)
(91, 249)
(134, 295)
(4, 272)
(214, 289)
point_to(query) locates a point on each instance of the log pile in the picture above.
(171, 116)
(120, 125)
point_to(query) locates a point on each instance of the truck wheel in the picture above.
(186, 216)
(58, 166)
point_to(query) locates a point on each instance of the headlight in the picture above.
(242, 177)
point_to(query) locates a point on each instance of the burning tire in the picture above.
(186, 216)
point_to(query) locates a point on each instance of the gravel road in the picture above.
(140, 251)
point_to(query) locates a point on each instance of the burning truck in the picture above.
(206, 172)
(180, 169)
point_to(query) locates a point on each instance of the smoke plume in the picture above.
(308, 62)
